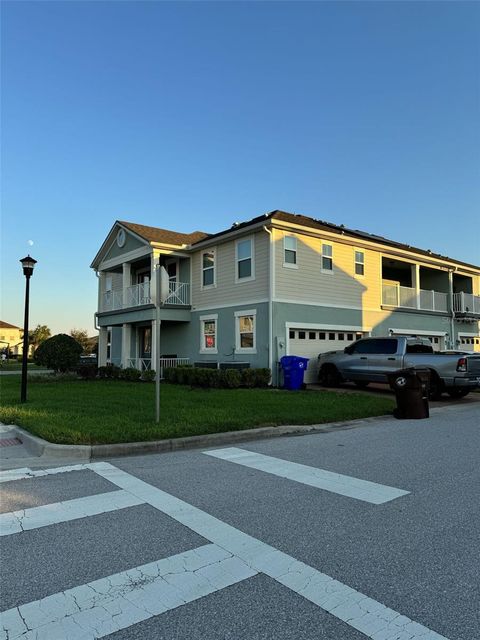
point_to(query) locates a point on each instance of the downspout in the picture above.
(270, 303)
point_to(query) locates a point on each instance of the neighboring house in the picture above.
(11, 338)
(277, 284)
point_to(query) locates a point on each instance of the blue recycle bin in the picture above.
(293, 370)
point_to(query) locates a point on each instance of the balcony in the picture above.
(409, 298)
(139, 294)
(466, 305)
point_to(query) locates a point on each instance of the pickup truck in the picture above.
(372, 359)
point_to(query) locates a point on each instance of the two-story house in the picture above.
(275, 285)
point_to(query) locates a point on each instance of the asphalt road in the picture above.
(373, 562)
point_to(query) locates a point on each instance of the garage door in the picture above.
(309, 343)
(469, 343)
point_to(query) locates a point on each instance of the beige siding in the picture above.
(227, 291)
(309, 284)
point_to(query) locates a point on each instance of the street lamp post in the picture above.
(28, 265)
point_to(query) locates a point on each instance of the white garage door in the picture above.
(308, 343)
(469, 343)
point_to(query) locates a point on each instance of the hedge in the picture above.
(217, 378)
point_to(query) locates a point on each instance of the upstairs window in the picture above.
(327, 257)
(208, 268)
(289, 251)
(244, 250)
(359, 263)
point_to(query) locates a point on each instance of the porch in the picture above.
(139, 294)
(395, 295)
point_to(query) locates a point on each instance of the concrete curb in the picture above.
(42, 448)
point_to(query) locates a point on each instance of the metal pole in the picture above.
(23, 392)
(157, 350)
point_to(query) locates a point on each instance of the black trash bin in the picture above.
(411, 388)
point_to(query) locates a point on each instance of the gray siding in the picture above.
(227, 291)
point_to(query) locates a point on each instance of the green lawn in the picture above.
(94, 412)
(14, 365)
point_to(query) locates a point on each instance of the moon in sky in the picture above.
(30, 242)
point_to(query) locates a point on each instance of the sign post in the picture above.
(162, 291)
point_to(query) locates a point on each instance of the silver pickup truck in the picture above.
(372, 359)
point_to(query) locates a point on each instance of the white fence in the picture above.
(143, 364)
(139, 294)
(466, 303)
(408, 298)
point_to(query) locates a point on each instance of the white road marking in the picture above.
(23, 474)
(327, 480)
(368, 616)
(55, 513)
(101, 607)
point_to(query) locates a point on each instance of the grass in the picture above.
(14, 365)
(96, 412)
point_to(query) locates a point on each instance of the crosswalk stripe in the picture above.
(334, 482)
(365, 614)
(101, 607)
(57, 512)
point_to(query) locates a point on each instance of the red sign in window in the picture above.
(210, 342)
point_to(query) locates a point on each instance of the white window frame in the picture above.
(202, 269)
(355, 262)
(252, 259)
(241, 314)
(322, 255)
(108, 283)
(213, 317)
(290, 265)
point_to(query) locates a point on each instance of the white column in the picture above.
(154, 274)
(127, 278)
(101, 289)
(102, 346)
(416, 283)
(126, 344)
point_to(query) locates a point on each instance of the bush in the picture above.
(248, 378)
(262, 377)
(88, 371)
(130, 374)
(170, 375)
(52, 377)
(148, 375)
(110, 371)
(230, 378)
(60, 353)
(184, 375)
(206, 378)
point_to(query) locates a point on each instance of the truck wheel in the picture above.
(329, 376)
(458, 393)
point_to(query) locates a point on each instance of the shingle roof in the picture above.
(312, 223)
(7, 325)
(164, 236)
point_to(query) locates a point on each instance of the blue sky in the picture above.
(193, 115)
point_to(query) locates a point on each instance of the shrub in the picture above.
(87, 371)
(248, 377)
(262, 377)
(170, 375)
(230, 378)
(148, 375)
(206, 378)
(130, 374)
(60, 353)
(52, 377)
(110, 371)
(184, 375)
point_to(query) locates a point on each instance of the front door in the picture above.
(145, 347)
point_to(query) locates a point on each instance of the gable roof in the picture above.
(7, 325)
(164, 236)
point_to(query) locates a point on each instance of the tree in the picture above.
(81, 336)
(38, 335)
(60, 353)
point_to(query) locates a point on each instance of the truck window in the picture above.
(385, 346)
(419, 348)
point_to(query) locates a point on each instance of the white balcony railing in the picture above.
(179, 293)
(139, 294)
(408, 298)
(466, 303)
